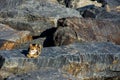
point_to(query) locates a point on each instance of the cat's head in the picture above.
(34, 48)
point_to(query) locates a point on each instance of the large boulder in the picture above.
(82, 61)
(43, 74)
(9, 37)
(78, 3)
(113, 3)
(81, 3)
(90, 11)
(32, 15)
(87, 30)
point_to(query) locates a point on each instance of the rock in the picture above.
(90, 11)
(87, 60)
(10, 37)
(109, 16)
(64, 36)
(82, 3)
(113, 3)
(43, 74)
(32, 15)
(8, 4)
(89, 30)
(25, 45)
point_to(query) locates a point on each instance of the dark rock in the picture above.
(89, 30)
(82, 3)
(109, 16)
(101, 60)
(79, 3)
(90, 11)
(113, 3)
(33, 15)
(64, 36)
(10, 37)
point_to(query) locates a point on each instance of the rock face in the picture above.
(9, 37)
(88, 30)
(31, 15)
(113, 4)
(45, 74)
(92, 25)
(81, 61)
(64, 36)
(78, 3)
(90, 11)
(81, 3)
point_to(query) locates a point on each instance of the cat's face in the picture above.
(34, 48)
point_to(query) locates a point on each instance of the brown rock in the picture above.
(10, 37)
(89, 30)
(64, 36)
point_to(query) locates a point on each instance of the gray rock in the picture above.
(43, 74)
(88, 30)
(113, 3)
(10, 37)
(109, 16)
(32, 15)
(90, 11)
(101, 60)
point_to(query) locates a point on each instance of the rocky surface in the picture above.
(44, 74)
(88, 60)
(32, 15)
(57, 23)
(78, 3)
(87, 30)
(9, 37)
(113, 4)
(81, 3)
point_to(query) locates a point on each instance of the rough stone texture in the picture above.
(10, 37)
(113, 15)
(34, 41)
(95, 60)
(88, 30)
(43, 74)
(90, 11)
(113, 3)
(64, 36)
(78, 3)
(81, 3)
(32, 15)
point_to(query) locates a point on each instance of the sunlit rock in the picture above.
(33, 15)
(10, 37)
(83, 61)
(87, 30)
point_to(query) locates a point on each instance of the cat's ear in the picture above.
(31, 45)
(40, 46)
(36, 45)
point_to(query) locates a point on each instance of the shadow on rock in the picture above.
(24, 52)
(49, 37)
(2, 60)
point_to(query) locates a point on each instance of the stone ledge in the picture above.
(90, 59)
(10, 37)
(43, 74)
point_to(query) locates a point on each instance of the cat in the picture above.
(34, 50)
